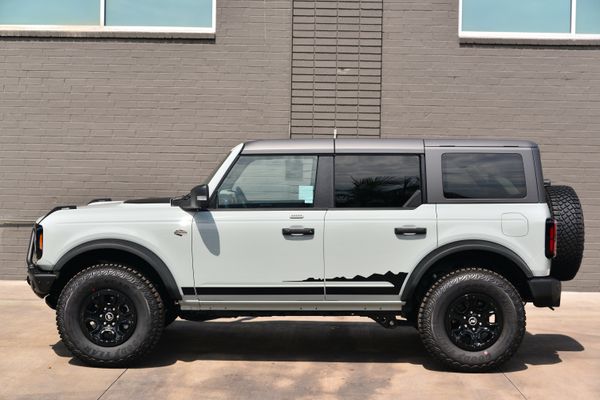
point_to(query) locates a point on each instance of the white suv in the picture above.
(453, 236)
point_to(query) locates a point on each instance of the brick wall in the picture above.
(128, 118)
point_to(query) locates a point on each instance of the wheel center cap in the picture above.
(109, 316)
(472, 321)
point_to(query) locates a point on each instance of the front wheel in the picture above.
(109, 315)
(472, 320)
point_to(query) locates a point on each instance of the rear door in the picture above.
(379, 228)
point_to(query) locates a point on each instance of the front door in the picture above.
(263, 239)
(379, 229)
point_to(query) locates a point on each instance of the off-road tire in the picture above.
(435, 304)
(145, 298)
(566, 210)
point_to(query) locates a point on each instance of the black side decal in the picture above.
(188, 291)
(395, 279)
(256, 290)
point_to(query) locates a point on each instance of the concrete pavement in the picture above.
(306, 358)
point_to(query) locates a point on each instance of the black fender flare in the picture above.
(135, 249)
(456, 247)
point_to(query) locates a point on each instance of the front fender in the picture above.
(135, 249)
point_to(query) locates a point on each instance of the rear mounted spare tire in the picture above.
(566, 210)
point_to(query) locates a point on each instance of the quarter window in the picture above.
(483, 176)
(109, 15)
(269, 182)
(530, 19)
(377, 181)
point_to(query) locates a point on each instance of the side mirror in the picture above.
(196, 200)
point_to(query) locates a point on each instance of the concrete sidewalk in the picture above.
(308, 358)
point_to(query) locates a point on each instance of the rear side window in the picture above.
(375, 181)
(483, 176)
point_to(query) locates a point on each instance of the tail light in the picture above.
(551, 238)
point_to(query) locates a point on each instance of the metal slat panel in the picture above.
(336, 68)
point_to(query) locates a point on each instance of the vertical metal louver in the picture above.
(336, 68)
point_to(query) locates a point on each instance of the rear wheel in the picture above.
(109, 315)
(472, 320)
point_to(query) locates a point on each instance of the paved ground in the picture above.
(308, 358)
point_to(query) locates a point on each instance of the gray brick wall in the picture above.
(434, 87)
(128, 118)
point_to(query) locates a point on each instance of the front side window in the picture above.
(377, 181)
(276, 181)
(483, 176)
(109, 15)
(535, 19)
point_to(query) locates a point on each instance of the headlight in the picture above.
(39, 242)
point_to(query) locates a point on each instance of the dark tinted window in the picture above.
(377, 181)
(483, 176)
(269, 182)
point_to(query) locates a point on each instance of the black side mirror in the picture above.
(196, 200)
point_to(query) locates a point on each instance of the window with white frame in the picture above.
(109, 15)
(530, 19)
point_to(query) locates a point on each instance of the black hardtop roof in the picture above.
(329, 146)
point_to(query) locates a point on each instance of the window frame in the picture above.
(572, 35)
(101, 29)
(423, 177)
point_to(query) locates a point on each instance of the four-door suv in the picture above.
(453, 236)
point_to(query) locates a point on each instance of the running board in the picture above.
(358, 306)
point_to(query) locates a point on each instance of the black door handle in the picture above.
(298, 231)
(410, 231)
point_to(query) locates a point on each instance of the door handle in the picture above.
(298, 231)
(410, 231)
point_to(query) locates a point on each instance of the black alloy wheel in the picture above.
(108, 317)
(474, 322)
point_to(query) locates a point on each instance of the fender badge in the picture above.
(180, 232)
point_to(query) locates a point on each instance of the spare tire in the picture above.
(566, 211)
